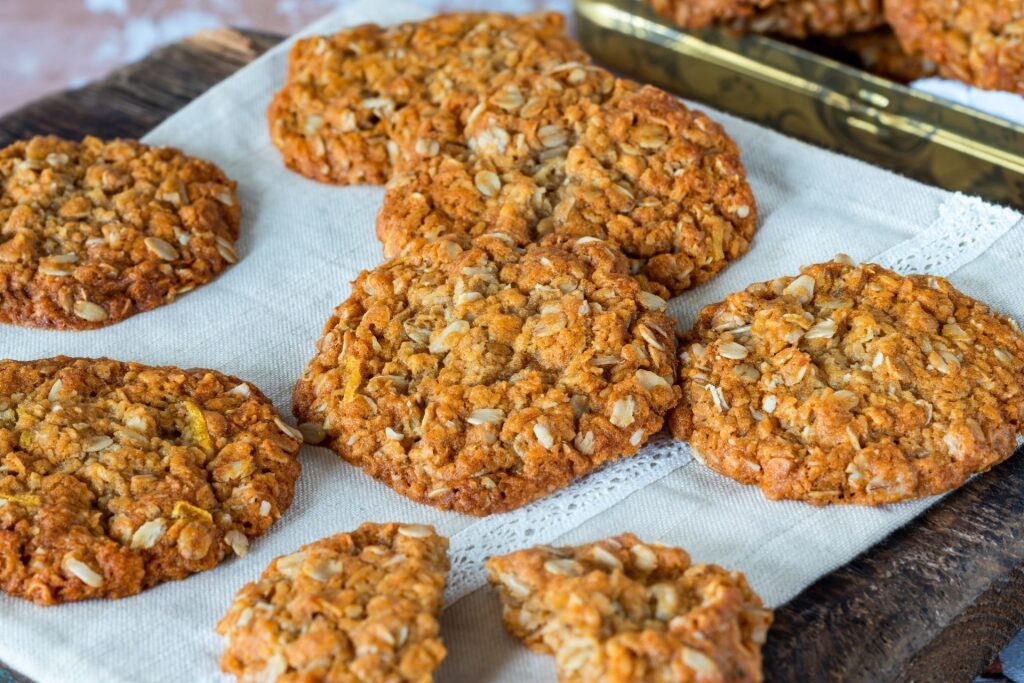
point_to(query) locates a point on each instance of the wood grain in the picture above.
(132, 100)
(932, 603)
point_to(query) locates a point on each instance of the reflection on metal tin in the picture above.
(812, 98)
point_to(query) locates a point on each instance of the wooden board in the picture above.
(935, 602)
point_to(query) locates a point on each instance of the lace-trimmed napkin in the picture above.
(301, 245)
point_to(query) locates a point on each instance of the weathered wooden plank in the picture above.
(934, 602)
(136, 98)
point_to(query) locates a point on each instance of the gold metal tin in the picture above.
(812, 98)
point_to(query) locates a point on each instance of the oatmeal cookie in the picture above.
(852, 384)
(115, 477)
(92, 232)
(352, 101)
(620, 161)
(980, 42)
(791, 18)
(477, 376)
(498, 170)
(358, 606)
(620, 611)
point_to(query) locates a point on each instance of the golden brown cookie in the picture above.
(353, 101)
(500, 168)
(115, 477)
(582, 154)
(792, 18)
(92, 232)
(359, 606)
(477, 376)
(980, 42)
(852, 384)
(620, 611)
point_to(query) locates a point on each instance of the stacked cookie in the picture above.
(790, 18)
(538, 212)
(975, 42)
(516, 340)
(487, 123)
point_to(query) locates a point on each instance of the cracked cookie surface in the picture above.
(477, 376)
(352, 101)
(621, 611)
(980, 42)
(115, 477)
(580, 153)
(359, 606)
(92, 232)
(851, 384)
(498, 168)
(791, 18)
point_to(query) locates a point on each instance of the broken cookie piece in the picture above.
(622, 611)
(359, 606)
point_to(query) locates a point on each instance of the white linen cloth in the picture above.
(1005, 105)
(301, 245)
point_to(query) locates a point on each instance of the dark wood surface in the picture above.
(933, 603)
(132, 100)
